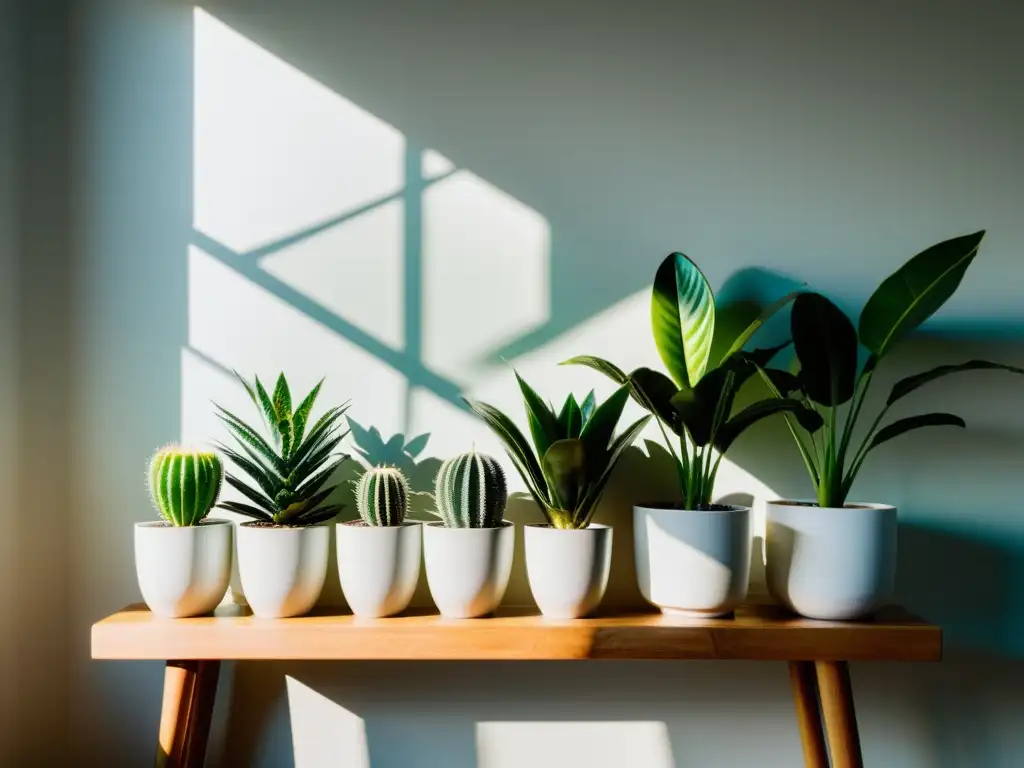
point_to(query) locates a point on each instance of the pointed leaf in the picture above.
(587, 408)
(266, 406)
(915, 291)
(900, 426)
(313, 483)
(265, 478)
(518, 446)
(610, 370)
(711, 400)
(257, 498)
(906, 386)
(247, 436)
(248, 387)
(543, 422)
(565, 468)
(282, 399)
(615, 451)
(301, 416)
(756, 318)
(654, 391)
(597, 434)
(762, 409)
(245, 509)
(682, 318)
(570, 419)
(321, 515)
(826, 345)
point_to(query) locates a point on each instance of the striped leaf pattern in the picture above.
(470, 491)
(184, 484)
(683, 318)
(382, 497)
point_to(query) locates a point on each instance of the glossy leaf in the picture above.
(610, 370)
(826, 344)
(266, 405)
(762, 409)
(615, 451)
(699, 406)
(682, 318)
(901, 426)
(905, 386)
(754, 324)
(654, 391)
(282, 399)
(731, 322)
(588, 406)
(515, 443)
(321, 515)
(570, 418)
(565, 468)
(301, 416)
(597, 434)
(915, 291)
(245, 509)
(543, 423)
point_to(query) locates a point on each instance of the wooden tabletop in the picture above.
(755, 632)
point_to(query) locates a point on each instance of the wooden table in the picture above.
(817, 653)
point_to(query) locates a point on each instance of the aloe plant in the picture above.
(470, 491)
(291, 476)
(184, 484)
(703, 350)
(382, 497)
(573, 454)
(831, 379)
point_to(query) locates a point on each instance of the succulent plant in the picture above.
(382, 497)
(291, 476)
(184, 483)
(470, 491)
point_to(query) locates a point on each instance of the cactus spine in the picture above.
(470, 491)
(382, 496)
(184, 484)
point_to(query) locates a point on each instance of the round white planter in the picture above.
(282, 570)
(468, 568)
(692, 562)
(183, 571)
(378, 567)
(568, 570)
(836, 564)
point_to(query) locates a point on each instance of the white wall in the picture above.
(214, 162)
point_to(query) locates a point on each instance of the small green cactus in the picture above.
(184, 483)
(382, 496)
(470, 491)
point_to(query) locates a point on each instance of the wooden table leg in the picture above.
(840, 717)
(190, 689)
(808, 718)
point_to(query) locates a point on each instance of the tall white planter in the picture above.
(836, 564)
(693, 563)
(468, 568)
(183, 571)
(568, 570)
(282, 570)
(378, 566)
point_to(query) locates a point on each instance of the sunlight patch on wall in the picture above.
(611, 744)
(324, 733)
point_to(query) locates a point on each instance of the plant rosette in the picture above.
(568, 569)
(692, 562)
(183, 562)
(830, 563)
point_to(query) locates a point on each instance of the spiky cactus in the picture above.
(184, 483)
(470, 491)
(382, 497)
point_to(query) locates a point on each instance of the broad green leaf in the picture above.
(615, 451)
(826, 345)
(588, 406)
(909, 384)
(301, 416)
(565, 467)
(654, 392)
(915, 291)
(610, 370)
(699, 406)
(570, 418)
(245, 509)
(257, 498)
(682, 318)
(897, 428)
(597, 434)
(762, 409)
(543, 422)
(738, 313)
(518, 446)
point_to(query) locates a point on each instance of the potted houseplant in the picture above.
(468, 555)
(693, 558)
(379, 554)
(829, 558)
(283, 550)
(183, 562)
(565, 471)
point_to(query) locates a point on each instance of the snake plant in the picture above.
(702, 349)
(830, 376)
(573, 454)
(291, 476)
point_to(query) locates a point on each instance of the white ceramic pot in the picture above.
(693, 563)
(282, 570)
(468, 568)
(568, 570)
(183, 571)
(378, 566)
(836, 564)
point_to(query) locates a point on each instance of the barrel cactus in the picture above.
(470, 491)
(185, 484)
(382, 496)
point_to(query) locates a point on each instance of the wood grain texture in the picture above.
(808, 717)
(756, 632)
(840, 717)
